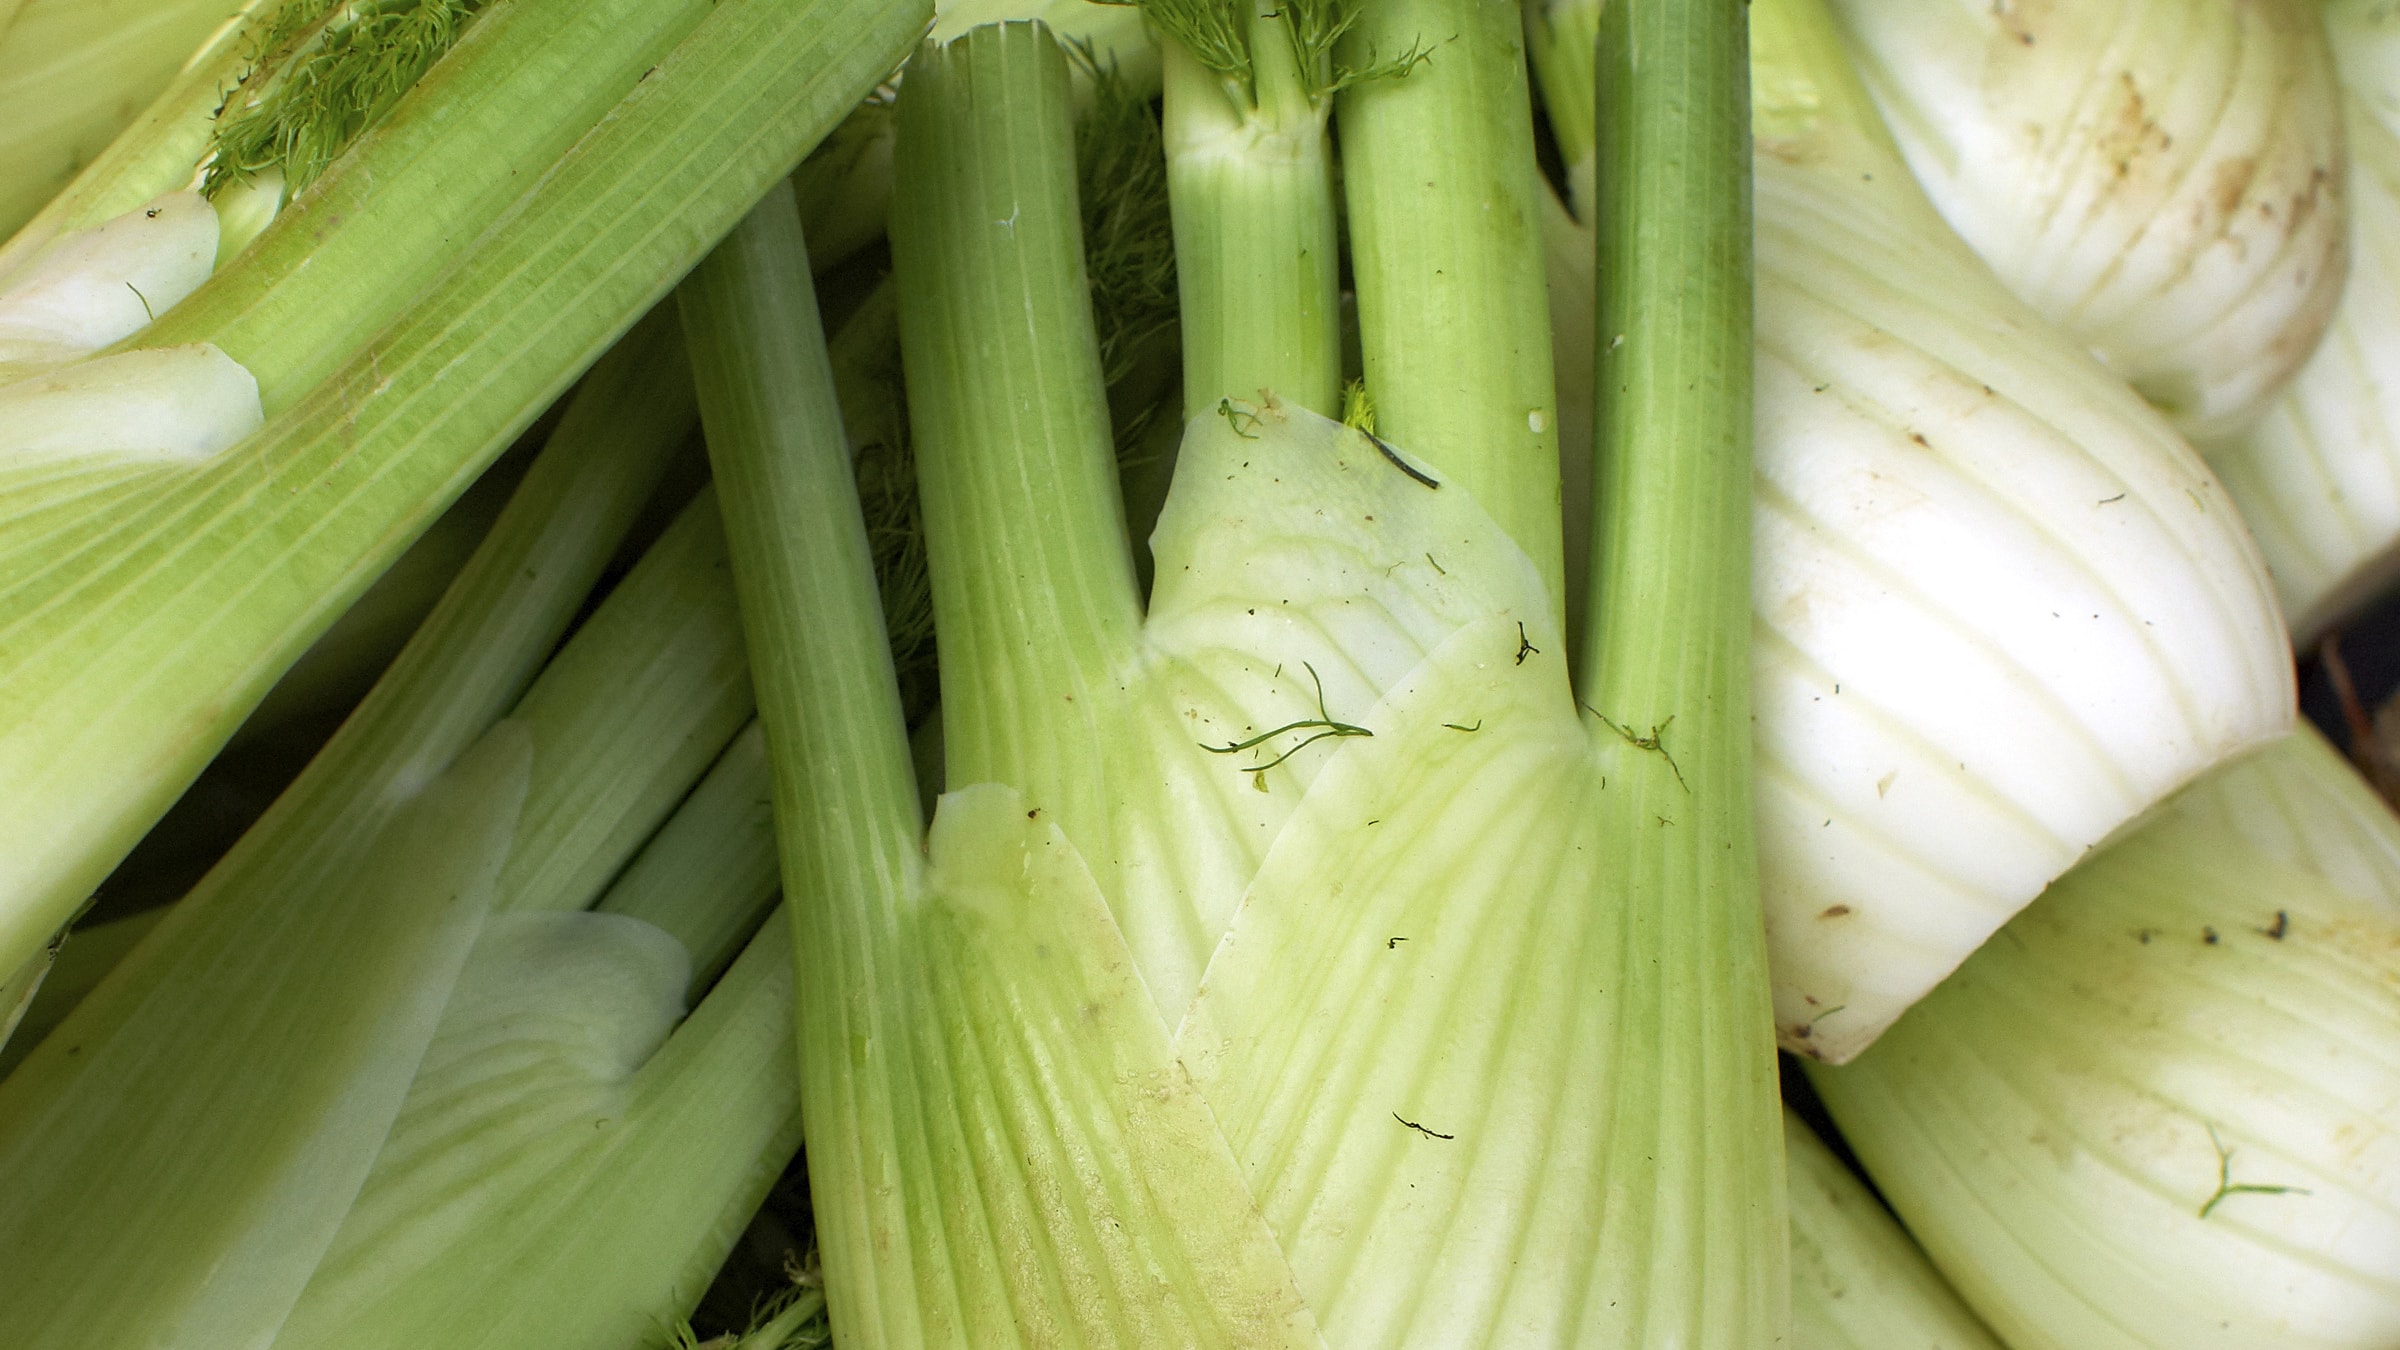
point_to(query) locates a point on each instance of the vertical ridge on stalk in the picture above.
(1446, 255)
(1666, 668)
(1033, 591)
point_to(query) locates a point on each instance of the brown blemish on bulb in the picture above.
(2230, 181)
(2306, 201)
(2134, 134)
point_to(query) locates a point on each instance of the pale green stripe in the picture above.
(629, 716)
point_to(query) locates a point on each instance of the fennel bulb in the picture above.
(2318, 478)
(2158, 1109)
(2000, 607)
(1179, 1026)
(1858, 1281)
(2161, 178)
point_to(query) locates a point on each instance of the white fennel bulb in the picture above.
(2162, 1108)
(2318, 477)
(2162, 178)
(2001, 608)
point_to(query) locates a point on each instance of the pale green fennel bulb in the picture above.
(2158, 1109)
(1178, 1026)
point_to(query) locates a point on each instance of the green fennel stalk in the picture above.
(160, 1095)
(145, 616)
(720, 840)
(1248, 99)
(1446, 254)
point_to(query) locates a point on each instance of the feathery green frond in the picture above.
(1222, 35)
(1128, 235)
(1213, 31)
(1358, 406)
(321, 72)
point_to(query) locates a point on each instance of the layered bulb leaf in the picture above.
(2318, 478)
(2002, 608)
(570, 1163)
(2160, 178)
(64, 408)
(1377, 956)
(1431, 866)
(1859, 1282)
(2158, 1108)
